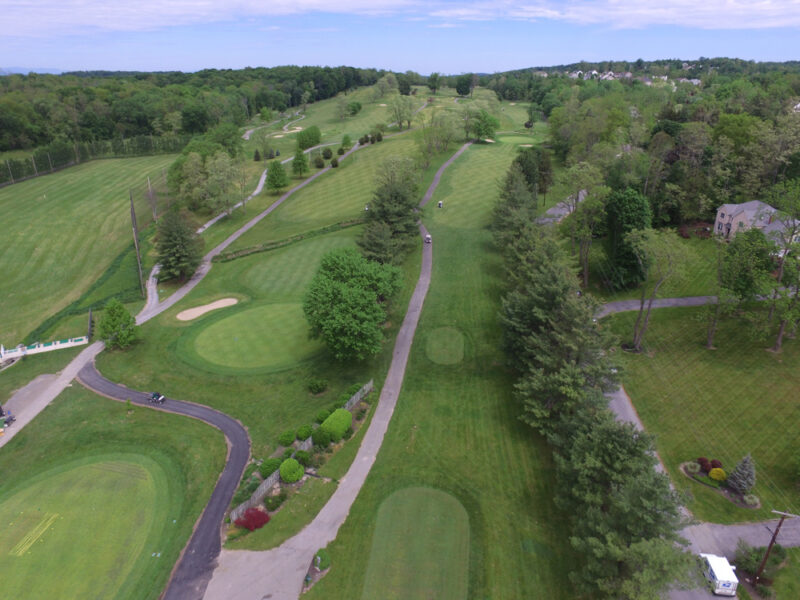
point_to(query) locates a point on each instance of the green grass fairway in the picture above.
(420, 549)
(68, 513)
(719, 404)
(337, 196)
(268, 337)
(445, 346)
(91, 490)
(457, 428)
(61, 232)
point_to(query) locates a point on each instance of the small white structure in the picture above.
(428, 239)
(22, 350)
(720, 573)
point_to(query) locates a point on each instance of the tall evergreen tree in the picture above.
(743, 477)
(179, 248)
(277, 179)
(300, 163)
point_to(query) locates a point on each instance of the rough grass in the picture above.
(61, 232)
(124, 485)
(787, 582)
(456, 427)
(720, 404)
(420, 548)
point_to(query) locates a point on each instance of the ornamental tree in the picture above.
(743, 477)
(118, 328)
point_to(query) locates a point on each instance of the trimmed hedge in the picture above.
(304, 432)
(321, 437)
(287, 437)
(269, 466)
(291, 470)
(338, 423)
(302, 457)
(321, 415)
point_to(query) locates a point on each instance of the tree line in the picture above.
(623, 515)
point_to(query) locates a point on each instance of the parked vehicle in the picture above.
(157, 398)
(720, 573)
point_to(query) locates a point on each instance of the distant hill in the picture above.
(26, 70)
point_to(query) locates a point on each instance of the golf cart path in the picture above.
(278, 574)
(196, 563)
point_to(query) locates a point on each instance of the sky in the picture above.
(446, 36)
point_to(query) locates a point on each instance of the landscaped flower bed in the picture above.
(735, 487)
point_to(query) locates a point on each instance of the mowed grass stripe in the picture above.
(60, 232)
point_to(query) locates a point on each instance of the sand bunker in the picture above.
(381, 105)
(199, 311)
(512, 104)
(297, 129)
(279, 135)
(489, 140)
(526, 145)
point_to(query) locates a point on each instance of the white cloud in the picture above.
(626, 14)
(48, 17)
(444, 25)
(54, 17)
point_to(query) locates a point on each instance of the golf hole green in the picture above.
(445, 346)
(271, 336)
(420, 548)
(78, 530)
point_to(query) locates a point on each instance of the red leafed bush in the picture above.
(252, 519)
(716, 464)
(705, 464)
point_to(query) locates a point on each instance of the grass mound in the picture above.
(445, 346)
(420, 548)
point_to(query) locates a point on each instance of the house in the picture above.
(732, 218)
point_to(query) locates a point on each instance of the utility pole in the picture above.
(136, 247)
(771, 543)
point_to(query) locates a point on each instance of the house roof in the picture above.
(752, 209)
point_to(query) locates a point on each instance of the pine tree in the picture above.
(743, 477)
(179, 248)
(257, 156)
(277, 179)
(300, 163)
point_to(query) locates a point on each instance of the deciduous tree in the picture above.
(117, 327)
(277, 179)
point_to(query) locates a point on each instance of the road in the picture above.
(198, 559)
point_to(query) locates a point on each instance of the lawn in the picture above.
(456, 428)
(61, 232)
(787, 582)
(420, 548)
(720, 404)
(697, 280)
(97, 501)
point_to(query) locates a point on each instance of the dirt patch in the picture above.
(199, 311)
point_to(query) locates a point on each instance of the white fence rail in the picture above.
(37, 348)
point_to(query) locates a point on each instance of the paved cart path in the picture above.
(278, 574)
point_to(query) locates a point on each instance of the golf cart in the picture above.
(157, 398)
(6, 418)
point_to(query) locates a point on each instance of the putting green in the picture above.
(82, 529)
(270, 336)
(420, 548)
(445, 346)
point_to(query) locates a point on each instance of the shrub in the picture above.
(322, 414)
(363, 140)
(291, 470)
(340, 151)
(692, 468)
(339, 403)
(287, 453)
(319, 163)
(338, 423)
(346, 142)
(704, 463)
(348, 433)
(272, 503)
(334, 163)
(249, 470)
(716, 464)
(717, 474)
(277, 152)
(302, 457)
(304, 432)
(764, 590)
(269, 466)
(363, 411)
(327, 153)
(321, 437)
(317, 385)
(252, 519)
(245, 490)
(750, 499)
(379, 136)
(257, 156)
(324, 559)
(353, 389)
(287, 437)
